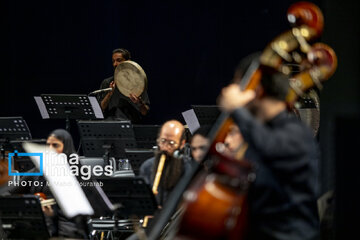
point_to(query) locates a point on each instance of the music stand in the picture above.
(146, 135)
(68, 106)
(22, 217)
(134, 200)
(206, 114)
(132, 194)
(106, 138)
(117, 229)
(137, 157)
(14, 128)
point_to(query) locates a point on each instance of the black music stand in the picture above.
(121, 230)
(137, 157)
(134, 200)
(97, 198)
(68, 106)
(132, 194)
(146, 135)
(14, 128)
(22, 217)
(106, 138)
(206, 114)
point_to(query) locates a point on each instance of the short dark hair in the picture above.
(203, 131)
(125, 53)
(276, 84)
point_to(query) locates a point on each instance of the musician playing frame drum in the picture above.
(128, 99)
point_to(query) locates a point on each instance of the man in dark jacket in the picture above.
(282, 199)
(170, 142)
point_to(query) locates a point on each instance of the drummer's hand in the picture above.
(232, 97)
(112, 85)
(134, 98)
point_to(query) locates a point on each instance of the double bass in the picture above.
(215, 202)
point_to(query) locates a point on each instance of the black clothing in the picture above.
(59, 224)
(282, 200)
(146, 171)
(120, 106)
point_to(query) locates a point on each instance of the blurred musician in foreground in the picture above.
(282, 199)
(117, 106)
(164, 170)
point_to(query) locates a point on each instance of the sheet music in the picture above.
(63, 184)
(96, 107)
(41, 105)
(191, 120)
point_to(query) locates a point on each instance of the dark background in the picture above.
(188, 51)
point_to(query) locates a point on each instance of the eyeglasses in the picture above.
(170, 143)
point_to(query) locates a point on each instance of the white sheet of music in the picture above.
(191, 120)
(65, 187)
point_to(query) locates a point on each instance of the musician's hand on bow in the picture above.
(48, 210)
(232, 97)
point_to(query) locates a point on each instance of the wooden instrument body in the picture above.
(214, 210)
(44, 201)
(4, 176)
(4, 168)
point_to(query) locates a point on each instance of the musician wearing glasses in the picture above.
(116, 105)
(164, 170)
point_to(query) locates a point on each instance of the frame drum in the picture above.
(130, 78)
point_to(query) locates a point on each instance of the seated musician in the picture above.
(60, 141)
(234, 142)
(171, 140)
(117, 106)
(199, 143)
(282, 199)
